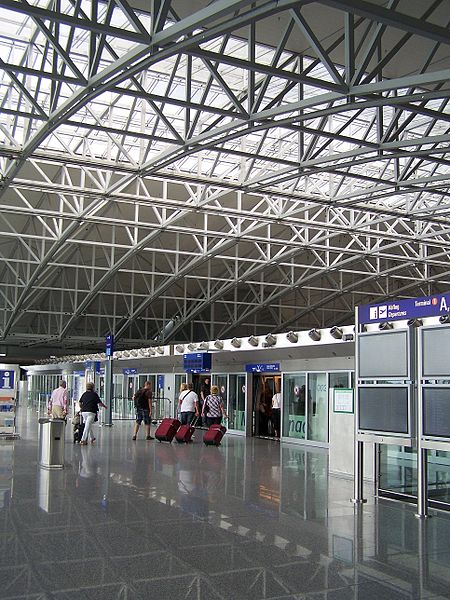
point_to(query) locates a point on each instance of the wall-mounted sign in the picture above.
(263, 368)
(129, 371)
(7, 380)
(411, 308)
(198, 362)
(343, 400)
(160, 382)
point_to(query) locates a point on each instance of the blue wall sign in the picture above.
(263, 368)
(410, 308)
(129, 371)
(109, 345)
(160, 382)
(7, 380)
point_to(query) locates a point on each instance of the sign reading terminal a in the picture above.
(410, 308)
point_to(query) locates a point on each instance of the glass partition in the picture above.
(236, 402)
(294, 405)
(317, 407)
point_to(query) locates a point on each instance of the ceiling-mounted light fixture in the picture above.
(203, 346)
(444, 319)
(270, 340)
(218, 344)
(134, 353)
(160, 350)
(236, 342)
(292, 337)
(253, 340)
(348, 337)
(192, 347)
(415, 322)
(179, 348)
(150, 352)
(385, 326)
(336, 333)
(315, 335)
(126, 354)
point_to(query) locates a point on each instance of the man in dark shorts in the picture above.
(143, 404)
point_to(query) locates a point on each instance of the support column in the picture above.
(107, 414)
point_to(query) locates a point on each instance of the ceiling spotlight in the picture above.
(126, 354)
(160, 350)
(236, 342)
(270, 340)
(444, 319)
(292, 337)
(150, 352)
(385, 326)
(134, 353)
(348, 337)
(203, 346)
(218, 344)
(415, 323)
(336, 332)
(315, 335)
(142, 352)
(253, 340)
(192, 347)
(179, 348)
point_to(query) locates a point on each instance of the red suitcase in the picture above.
(214, 435)
(184, 434)
(167, 430)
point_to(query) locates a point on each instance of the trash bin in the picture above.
(51, 443)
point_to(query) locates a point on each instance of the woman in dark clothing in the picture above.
(89, 403)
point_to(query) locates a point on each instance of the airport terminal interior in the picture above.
(253, 192)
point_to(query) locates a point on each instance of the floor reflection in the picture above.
(253, 519)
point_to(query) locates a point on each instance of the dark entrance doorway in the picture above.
(265, 421)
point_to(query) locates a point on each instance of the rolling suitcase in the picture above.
(184, 434)
(167, 430)
(214, 435)
(78, 428)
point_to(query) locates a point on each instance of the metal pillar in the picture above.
(107, 415)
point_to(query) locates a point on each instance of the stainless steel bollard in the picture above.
(51, 443)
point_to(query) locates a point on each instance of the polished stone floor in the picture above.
(253, 519)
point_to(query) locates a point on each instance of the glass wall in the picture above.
(317, 429)
(294, 405)
(305, 401)
(236, 402)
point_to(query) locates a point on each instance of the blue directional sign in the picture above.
(109, 345)
(198, 362)
(160, 382)
(410, 308)
(263, 368)
(130, 371)
(7, 380)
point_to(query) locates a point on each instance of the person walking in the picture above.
(143, 405)
(213, 408)
(89, 403)
(57, 405)
(205, 390)
(187, 404)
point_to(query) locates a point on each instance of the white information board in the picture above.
(343, 400)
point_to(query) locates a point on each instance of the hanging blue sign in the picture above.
(199, 362)
(109, 345)
(129, 371)
(160, 382)
(7, 380)
(410, 308)
(263, 368)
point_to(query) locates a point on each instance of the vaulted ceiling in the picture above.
(176, 171)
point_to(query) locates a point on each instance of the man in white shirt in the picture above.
(57, 406)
